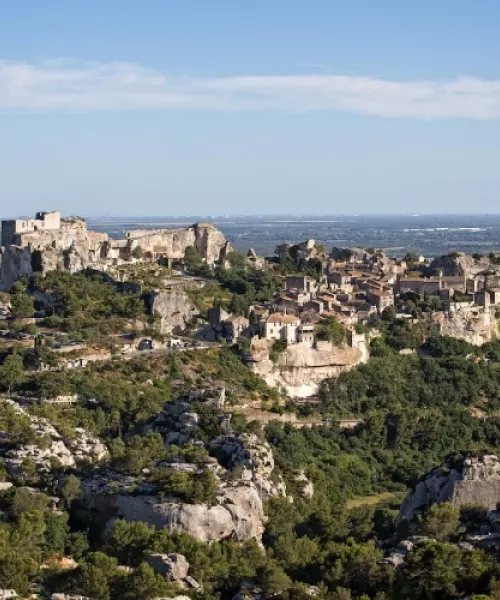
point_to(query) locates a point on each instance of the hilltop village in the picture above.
(319, 308)
(180, 420)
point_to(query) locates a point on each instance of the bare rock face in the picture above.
(300, 369)
(175, 309)
(210, 242)
(238, 512)
(253, 458)
(473, 324)
(460, 480)
(15, 262)
(73, 248)
(205, 237)
(460, 264)
(174, 567)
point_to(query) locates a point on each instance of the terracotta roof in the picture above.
(238, 319)
(281, 318)
(419, 280)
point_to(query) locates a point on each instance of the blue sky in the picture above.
(220, 107)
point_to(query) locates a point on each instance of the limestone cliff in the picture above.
(460, 480)
(174, 309)
(459, 263)
(467, 322)
(72, 247)
(301, 368)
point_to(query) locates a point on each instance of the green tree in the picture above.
(71, 489)
(77, 544)
(96, 575)
(22, 305)
(331, 329)
(273, 579)
(440, 522)
(431, 572)
(128, 541)
(12, 372)
(144, 583)
(192, 259)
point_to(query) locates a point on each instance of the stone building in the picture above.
(301, 283)
(235, 327)
(42, 221)
(281, 327)
(381, 299)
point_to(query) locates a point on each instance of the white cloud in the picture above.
(67, 85)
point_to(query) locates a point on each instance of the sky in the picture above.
(197, 107)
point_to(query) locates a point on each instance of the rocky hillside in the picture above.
(241, 466)
(472, 324)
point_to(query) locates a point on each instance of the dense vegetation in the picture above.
(414, 410)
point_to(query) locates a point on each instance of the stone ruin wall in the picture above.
(73, 248)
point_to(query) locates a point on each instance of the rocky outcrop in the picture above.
(15, 262)
(205, 237)
(460, 480)
(468, 322)
(80, 447)
(458, 263)
(306, 486)
(238, 512)
(73, 248)
(174, 308)
(254, 460)
(242, 466)
(173, 567)
(300, 369)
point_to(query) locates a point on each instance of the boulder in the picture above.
(172, 566)
(238, 512)
(306, 486)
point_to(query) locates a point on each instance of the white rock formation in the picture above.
(471, 323)
(83, 446)
(300, 369)
(306, 486)
(460, 480)
(174, 308)
(238, 512)
(254, 460)
(174, 567)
